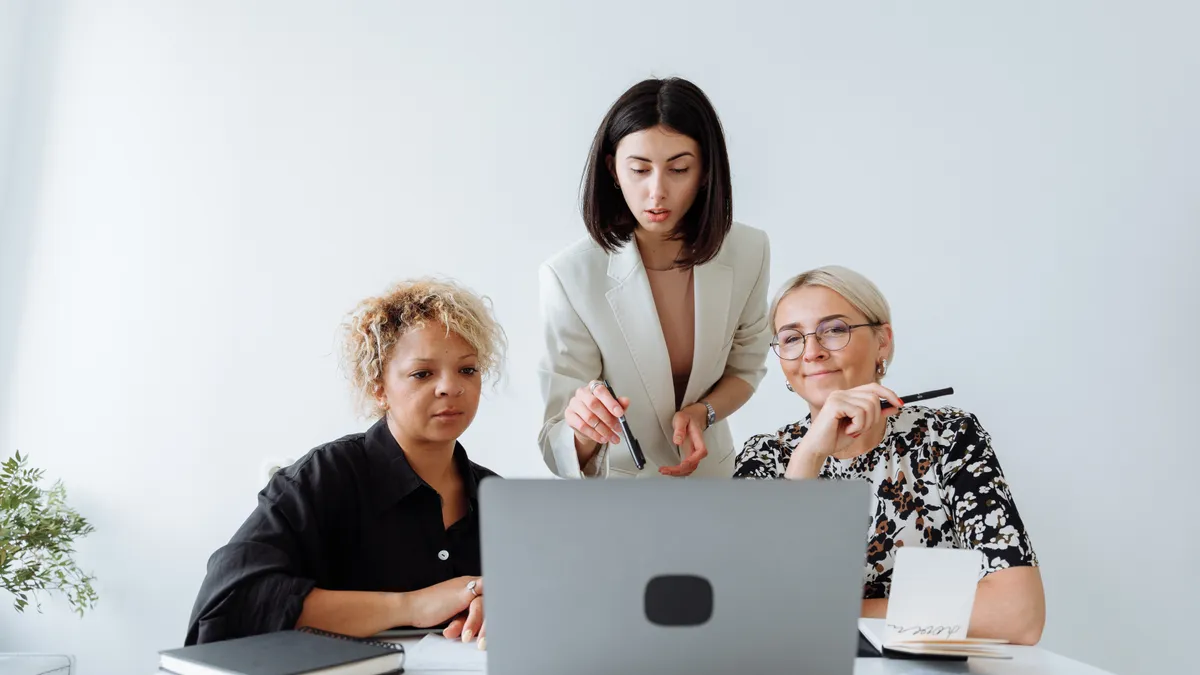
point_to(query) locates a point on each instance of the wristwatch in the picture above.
(712, 415)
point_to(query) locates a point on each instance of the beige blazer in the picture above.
(599, 322)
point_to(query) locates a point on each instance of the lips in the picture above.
(657, 215)
(448, 413)
(820, 373)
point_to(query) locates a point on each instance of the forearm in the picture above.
(1010, 604)
(1012, 609)
(803, 466)
(355, 613)
(875, 608)
(728, 395)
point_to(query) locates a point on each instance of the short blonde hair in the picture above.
(373, 327)
(854, 287)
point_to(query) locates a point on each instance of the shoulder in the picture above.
(949, 435)
(480, 472)
(935, 423)
(786, 436)
(745, 234)
(580, 258)
(744, 245)
(325, 469)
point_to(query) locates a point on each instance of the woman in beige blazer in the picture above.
(666, 299)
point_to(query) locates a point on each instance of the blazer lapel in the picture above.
(632, 304)
(713, 293)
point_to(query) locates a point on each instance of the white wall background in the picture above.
(196, 192)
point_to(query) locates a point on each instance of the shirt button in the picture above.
(443, 555)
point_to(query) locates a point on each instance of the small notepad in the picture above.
(929, 607)
(933, 592)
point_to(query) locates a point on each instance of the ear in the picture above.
(612, 168)
(887, 343)
(380, 396)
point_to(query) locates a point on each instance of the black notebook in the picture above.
(306, 651)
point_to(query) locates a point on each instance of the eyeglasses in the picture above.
(831, 335)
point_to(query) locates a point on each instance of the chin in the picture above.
(445, 432)
(661, 229)
(816, 395)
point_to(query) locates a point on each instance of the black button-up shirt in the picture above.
(352, 515)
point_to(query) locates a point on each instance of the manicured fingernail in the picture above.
(482, 644)
(467, 635)
(901, 401)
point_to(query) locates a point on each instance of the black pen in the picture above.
(639, 460)
(923, 396)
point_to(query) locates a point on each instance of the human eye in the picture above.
(835, 330)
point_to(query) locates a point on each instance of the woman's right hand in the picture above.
(845, 415)
(439, 603)
(592, 413)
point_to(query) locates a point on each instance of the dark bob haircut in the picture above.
(680, 106)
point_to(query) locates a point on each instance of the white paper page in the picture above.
(933, 591)
(435, 652)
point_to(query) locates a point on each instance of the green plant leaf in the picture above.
(37, 533)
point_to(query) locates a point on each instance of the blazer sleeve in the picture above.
(570, 358)
(748, 356)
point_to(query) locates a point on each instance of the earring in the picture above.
(881, 369)
(616, 184)
(789, 387)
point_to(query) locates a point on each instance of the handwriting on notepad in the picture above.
(945, 632)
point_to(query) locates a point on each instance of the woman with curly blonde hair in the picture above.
(379, 529)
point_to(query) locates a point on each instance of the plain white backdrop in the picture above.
(195, 193)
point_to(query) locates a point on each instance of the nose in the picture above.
(658, 187)
(813, 351)
(448, 385)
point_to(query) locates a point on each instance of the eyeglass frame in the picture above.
(804, 338)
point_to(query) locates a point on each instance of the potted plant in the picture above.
(37, 533)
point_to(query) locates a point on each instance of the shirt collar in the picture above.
(394, 478)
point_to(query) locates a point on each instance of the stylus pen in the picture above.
(639, 460)
(923, 396)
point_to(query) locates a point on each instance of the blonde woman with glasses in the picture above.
(935, 478)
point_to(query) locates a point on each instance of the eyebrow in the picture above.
(685, 153)
(425, 359)
(796, 325)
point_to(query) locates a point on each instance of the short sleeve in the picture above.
(762, 456)
(984, 514)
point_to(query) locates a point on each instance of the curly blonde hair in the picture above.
(372, 329)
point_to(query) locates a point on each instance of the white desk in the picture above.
(1026, 661)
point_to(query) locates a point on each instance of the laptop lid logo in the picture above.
(679, 600)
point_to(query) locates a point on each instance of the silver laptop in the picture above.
(681, 576)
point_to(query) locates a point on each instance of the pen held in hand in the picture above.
(923, 396)
(639, 460)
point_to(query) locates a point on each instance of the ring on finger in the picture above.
(593, 385)
(471, 587)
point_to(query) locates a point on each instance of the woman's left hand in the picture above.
(470, 624)
(689, 426)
